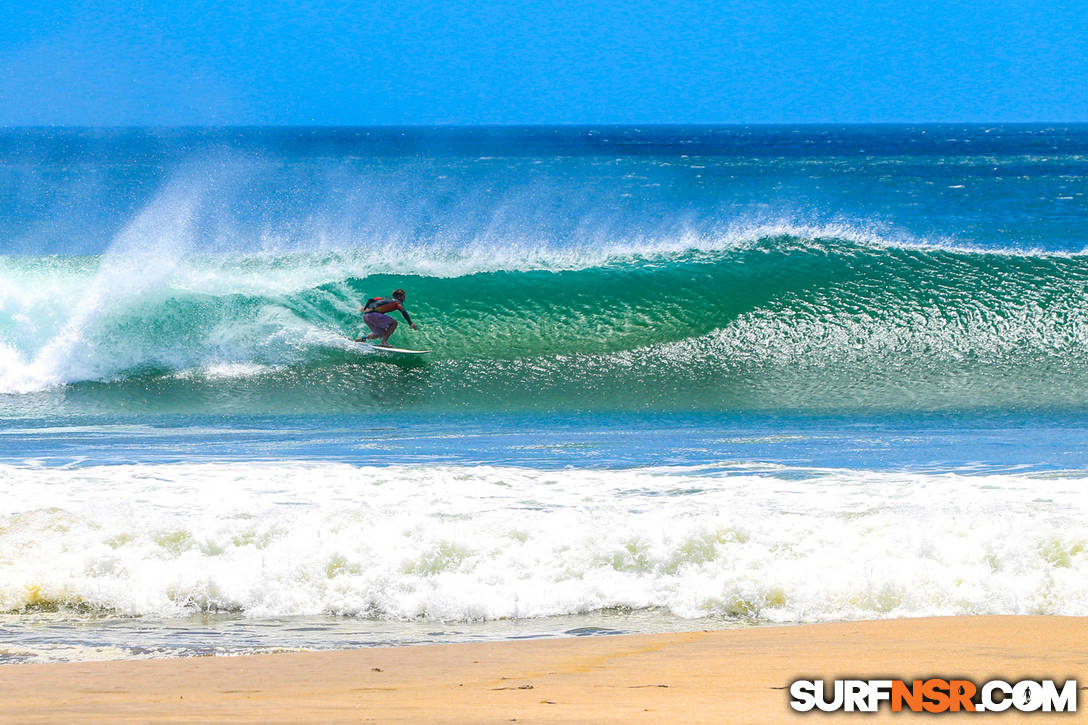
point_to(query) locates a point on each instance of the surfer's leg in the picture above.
(388, 332)
(380, 326)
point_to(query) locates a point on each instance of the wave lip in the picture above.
(445, 543)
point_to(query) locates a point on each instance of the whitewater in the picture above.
(680, 378)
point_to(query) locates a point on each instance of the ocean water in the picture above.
(680, 378)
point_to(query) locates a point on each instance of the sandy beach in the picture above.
(730, 676)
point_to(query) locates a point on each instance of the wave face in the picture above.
(451, 543)
(785, 321)
(221, 270)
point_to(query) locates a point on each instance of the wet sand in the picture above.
(729, 676)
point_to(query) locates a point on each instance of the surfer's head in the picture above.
(398, 294)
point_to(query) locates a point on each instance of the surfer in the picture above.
(381, 324)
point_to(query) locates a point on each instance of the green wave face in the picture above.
(784, 322)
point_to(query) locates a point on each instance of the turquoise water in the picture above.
(768, 323)
(681, 377)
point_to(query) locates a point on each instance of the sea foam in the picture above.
(760, 544)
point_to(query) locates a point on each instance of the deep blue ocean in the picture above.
(680, 378)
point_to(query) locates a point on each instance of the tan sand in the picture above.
(733, 676)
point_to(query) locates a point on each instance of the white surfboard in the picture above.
(396, 350)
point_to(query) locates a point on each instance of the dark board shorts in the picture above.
(378, 322)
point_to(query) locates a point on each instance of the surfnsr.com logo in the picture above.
(933, 695)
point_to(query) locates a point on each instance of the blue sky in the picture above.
(331, 62)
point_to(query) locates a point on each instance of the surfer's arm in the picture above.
(408, 319)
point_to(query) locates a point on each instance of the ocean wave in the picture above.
(446, 543)
(784, 316)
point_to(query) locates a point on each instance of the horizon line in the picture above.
(579, 125)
